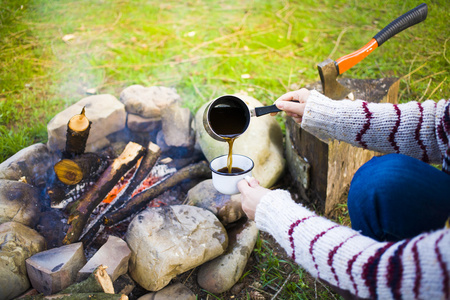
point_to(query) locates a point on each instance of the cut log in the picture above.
(77, 134)
(139, 201)
(98, 282)
(80, 212)
(80, 296)
(322, 170)
(72, 171)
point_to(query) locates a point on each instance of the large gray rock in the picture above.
(227, 208)
(17, 243)
(106, 113)
(147, 101)
(19, 202)
(168, 241)
(262, 142)
(32, 163)
(220, 274)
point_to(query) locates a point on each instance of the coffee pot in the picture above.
(228, 116)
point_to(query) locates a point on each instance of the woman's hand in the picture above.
(294, 109)
(251, 194)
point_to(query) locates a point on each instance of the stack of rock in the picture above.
(209, 231)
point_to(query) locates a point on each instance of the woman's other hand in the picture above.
(251, 194)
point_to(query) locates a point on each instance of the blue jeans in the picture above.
(394, 197)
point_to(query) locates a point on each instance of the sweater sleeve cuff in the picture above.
(320, 116)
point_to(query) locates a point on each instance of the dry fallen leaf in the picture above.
(68, 37)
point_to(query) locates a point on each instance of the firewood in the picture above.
(77, 134)
(139, 201)
(146, 165)
(78, 296)
(72, 171)
(80, 212)
(98, 282)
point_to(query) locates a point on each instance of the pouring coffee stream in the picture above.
(227, 117)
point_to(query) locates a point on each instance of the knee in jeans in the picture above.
(377, 176)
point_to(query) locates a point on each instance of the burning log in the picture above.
(139, 201)
(83, 208)
(77, 134)
(72, 171)
(145, 166)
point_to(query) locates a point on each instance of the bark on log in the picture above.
(72, 171)
(82, 210)
(98, 282)
(139, 201)
(80, 296)
(146, 165)
(77, 134)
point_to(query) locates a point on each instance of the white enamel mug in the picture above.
(226, 183)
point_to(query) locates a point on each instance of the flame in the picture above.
(123, 183)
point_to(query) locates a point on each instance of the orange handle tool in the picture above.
(412, 17)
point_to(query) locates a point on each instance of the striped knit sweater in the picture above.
(420, 130)
(418, 268)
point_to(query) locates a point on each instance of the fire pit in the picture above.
(129, 169)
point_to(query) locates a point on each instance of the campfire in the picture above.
(91, 199)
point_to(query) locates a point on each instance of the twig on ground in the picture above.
(197, 90)
(282, 286)
(426, 77)
(445, 47)
(261, 291)
(192, 271)
(315, 288)
(338, 41)
(436, 88)
(332, 294)
(412, 72)
(284, 19)
(426, 90)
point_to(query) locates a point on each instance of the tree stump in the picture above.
(322, 171)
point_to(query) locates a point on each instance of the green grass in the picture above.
(203, 48)
(282, 279)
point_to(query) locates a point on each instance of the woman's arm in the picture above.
(411, 128)
(418, 268)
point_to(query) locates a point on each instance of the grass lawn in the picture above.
(53, 52)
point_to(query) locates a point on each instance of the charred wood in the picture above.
(83, 208)
(139, 201)
(145, 167)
